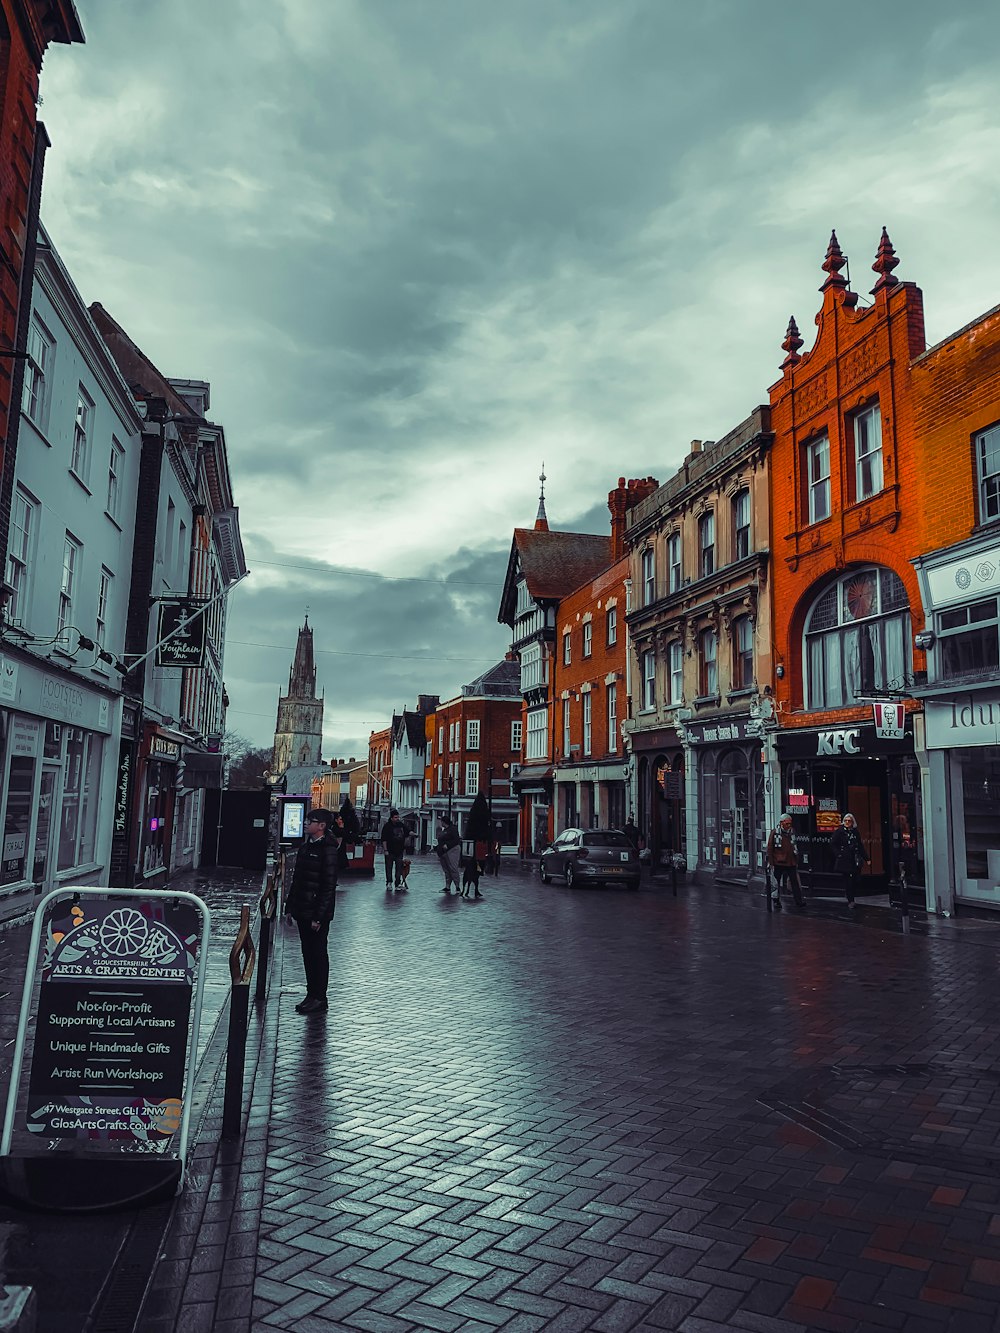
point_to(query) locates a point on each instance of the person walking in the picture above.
(849, 856)
(393, 840)
(783, 861)
(631, 832)
(312, 900)
(449, 850)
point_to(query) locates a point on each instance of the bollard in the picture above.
(904, 900)
(767, 888)
(239, 1009)
(268, 908)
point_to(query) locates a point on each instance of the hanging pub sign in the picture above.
(180, 634)
(104, 1116)
(890, 719)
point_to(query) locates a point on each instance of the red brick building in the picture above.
(27, 27)
(848, 513)
(379, 776)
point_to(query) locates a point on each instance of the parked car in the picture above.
(591, 855)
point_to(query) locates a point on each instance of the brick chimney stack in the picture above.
(620, 501)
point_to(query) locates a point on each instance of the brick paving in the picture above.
(591, 1109)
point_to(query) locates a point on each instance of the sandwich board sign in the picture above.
(115, 979)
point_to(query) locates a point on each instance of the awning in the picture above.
(532, 776)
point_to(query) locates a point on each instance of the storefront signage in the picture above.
(705, 733)
(123, 788)
(890, 719)
(24, 737)
(964, 719)
(963, 579)
(181, 634)
(109, 1057)
(838, 742)
(161, 748)
(62, 699)
(8, 680)
(846, 740)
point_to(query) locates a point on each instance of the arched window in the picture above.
(857, 638)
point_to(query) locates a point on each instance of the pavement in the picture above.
(593, 1109)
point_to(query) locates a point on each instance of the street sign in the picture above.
(105, 1114)
(890, 719)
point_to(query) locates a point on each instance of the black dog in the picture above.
(471, 870)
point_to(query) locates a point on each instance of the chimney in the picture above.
(621, 501)
(696, 446)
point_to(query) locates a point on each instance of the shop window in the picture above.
(980, 776)
(735, 813)
(857, 638)
(708, 642)
(709, 811)
(866, 428)
(21, 778)
(743, 653)
(648, 576)
(988, 466)
(674, 568)
(741, 525)
(675, 655)
(969, 640)
(817, 458)
(706, 545)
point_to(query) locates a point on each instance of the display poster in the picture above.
(111, 1034)
(293, 814)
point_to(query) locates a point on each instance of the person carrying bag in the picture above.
(849, 857)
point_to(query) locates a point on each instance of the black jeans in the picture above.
(791, 874)
(394, 863)
(315, 958)
(852, 880)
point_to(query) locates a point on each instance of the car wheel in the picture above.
(569, 875)
(546, 877)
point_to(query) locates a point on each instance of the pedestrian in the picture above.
(311, 904)
(393, 840)
(849, 856)
(631, 832)
(449, 850)
(783, 861)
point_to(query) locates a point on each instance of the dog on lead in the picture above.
(471, 870)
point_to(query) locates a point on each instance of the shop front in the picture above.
(661, 814)
(159, 756)
(590, 796)
(962, 738)
(730, 798)
(56, 748)
(534, 788)
(827, 772)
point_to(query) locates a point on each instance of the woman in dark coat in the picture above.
(849, 856)
(311, 904)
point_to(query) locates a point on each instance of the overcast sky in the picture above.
(420, 246)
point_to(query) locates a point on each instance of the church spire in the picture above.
(541, 519)
(302, 677)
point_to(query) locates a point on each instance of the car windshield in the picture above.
(611, 838)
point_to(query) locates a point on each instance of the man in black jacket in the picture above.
(393, 840)
(311, 903)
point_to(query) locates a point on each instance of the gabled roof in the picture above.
(137, 370)
(552, 563)
(413, 724)
(501, 680)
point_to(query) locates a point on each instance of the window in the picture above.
(818, 478)
(79, 459)
(515, 735)
(103, 603)
(37, 369)
(440, 775)
(674, 561)
(969, 638)
(472, 733)
(612, 624)
(706, 544)
(988, 462)
(567, 648)
(709, 682)
(451, 737)
(741, 525)
(116, 463)
(612, 719)
(524, 599)
(22, 528)
(743, 653)
(67, 587)
(440, 740)
(648, 576)
(588, 638)
(649, 680)
(587, 706)
(857, 638)
(567, 739)
(537, 747)
(472, 777)
(867, 452)
(531, 667)
(676, 659)
(78, 811)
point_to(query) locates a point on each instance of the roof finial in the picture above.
(541, 519)
(885, 262)
(791, 345)
(832, 264)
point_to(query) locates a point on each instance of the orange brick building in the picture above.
(379, 777)
(848, 513)
(27, 27)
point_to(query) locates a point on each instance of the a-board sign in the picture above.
(293, 814)
(119, 976)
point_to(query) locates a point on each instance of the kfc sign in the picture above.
(890, 719)
(846, 740)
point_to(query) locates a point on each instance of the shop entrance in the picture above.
(43, 865)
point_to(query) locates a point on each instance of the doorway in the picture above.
(43, 861)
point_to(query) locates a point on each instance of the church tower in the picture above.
(298, 735)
